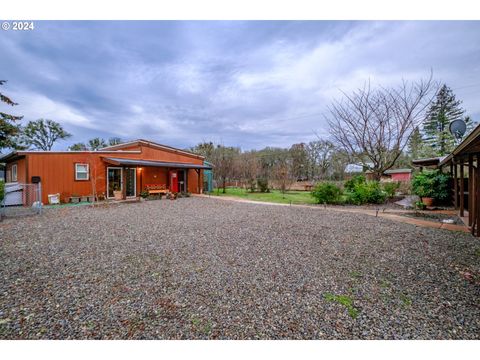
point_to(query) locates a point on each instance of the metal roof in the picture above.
(140, 162)
(398, 171)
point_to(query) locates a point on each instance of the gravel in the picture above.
(208, 268)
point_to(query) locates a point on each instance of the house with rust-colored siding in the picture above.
(129, 167)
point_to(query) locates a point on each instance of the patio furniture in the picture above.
(156, 189)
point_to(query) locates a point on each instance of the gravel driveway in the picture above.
(207, 268)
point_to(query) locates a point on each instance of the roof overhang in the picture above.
(153, 163)
(14, 155)
(471, 144)
(435, 161)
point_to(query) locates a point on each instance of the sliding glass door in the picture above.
(114, 180)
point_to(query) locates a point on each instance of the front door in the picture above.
(114, 180)
(130, 182)
(173, 181)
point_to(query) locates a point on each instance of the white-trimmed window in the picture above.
(14, 172)
(81, 171)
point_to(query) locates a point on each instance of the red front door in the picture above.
(173, 180)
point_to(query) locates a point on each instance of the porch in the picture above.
(132, 176)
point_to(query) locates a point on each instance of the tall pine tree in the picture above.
(443, 110)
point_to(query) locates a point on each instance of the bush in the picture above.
(368, 192)
(350, 184)
(391, 188)
(263, 185)
(431, 183)
(327, 193)
(2, 190)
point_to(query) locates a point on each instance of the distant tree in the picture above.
(204, 149)
(416, 144)
(96, 143)
(114, 141)
(319, 154)
(374, 126)
(443, 110)
(299, 156)
(78, 147)
(248, 166)
(223, 158)
(284, 173)
(9, 129)
(41, 134)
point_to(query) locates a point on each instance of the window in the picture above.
(81, 171)
(14, 172)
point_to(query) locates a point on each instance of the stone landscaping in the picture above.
(207, 268)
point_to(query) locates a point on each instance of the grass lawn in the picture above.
(274, 196)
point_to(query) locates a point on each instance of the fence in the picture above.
(21, 199)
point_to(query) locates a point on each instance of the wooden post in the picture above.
(124, 183)
(477, 196)
(462, 190)
(455, 185)
(198, 180)
(471, 193)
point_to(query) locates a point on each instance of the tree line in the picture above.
(377, 127)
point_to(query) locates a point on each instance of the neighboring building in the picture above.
(127, 167)
(399, 174)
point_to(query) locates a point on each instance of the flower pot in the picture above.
(118, 195)
(428, 201)
(91, 198)
(84, 199)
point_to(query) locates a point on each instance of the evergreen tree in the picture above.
(415, 144)
(443, 110)
(9, 128)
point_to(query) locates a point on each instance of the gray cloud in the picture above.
(249, 84)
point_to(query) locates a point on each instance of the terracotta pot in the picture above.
(118, 195)
(428, 201)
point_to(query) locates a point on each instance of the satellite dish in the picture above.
(458, 128)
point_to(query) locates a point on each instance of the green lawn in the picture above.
(275, 196)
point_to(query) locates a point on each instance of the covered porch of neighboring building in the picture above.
(132, 176)
(463, 165)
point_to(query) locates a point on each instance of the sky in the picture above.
(249, 84)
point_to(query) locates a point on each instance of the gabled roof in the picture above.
(152, 144)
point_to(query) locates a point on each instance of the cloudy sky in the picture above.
(248, 84)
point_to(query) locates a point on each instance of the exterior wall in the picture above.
(21, 170)
(401, 177)
(57, 170)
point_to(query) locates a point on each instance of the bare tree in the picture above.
(283, 173)
(223, 159)
(374, 125)
(248, 166)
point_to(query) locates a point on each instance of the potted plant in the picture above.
(420, 205)
(74, 198)
(117, 193)
(431, 185)
(143, 195)
(91, 198)
(84, 198)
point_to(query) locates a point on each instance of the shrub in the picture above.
(327, 193)
(368, 192)
(350, 184)
(431, 183)
(391, 188)
(2, 190)
(263, 185)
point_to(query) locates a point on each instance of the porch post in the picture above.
(124, 183)
(198, 180)
(477, 197)
(470, 189)
(462, 191)
(455, 184)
